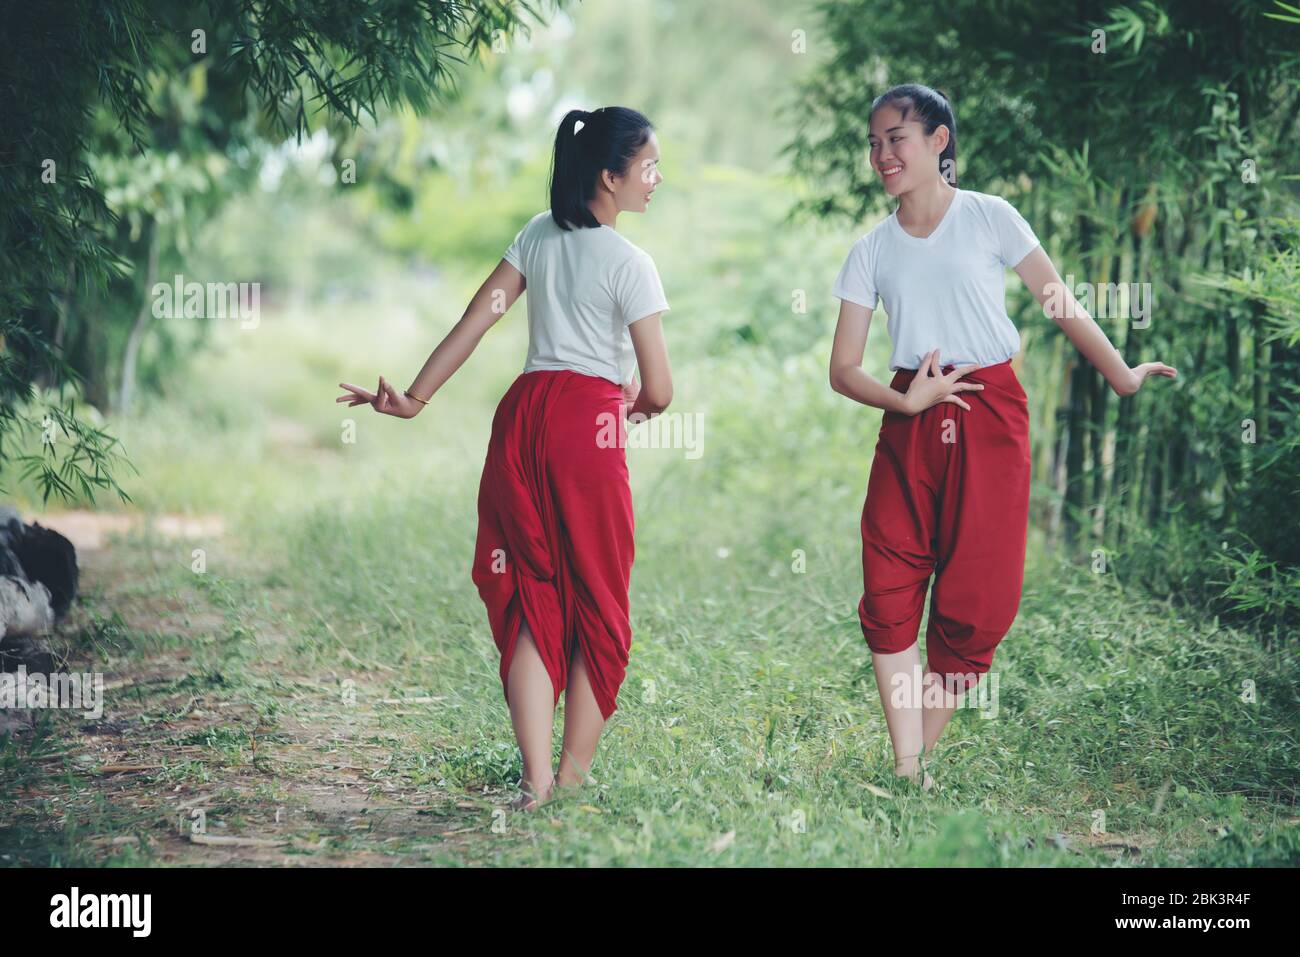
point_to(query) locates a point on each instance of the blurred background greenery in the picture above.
(1163, 547)
(1155, 152)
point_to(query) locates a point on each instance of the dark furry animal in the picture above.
(49, 558)
(33, 554)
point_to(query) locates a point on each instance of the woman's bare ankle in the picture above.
(532, 795)
(907, 766)
(912, 769)
(565, 782)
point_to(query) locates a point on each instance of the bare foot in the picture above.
(530, 798)
(570, 786)
(910, 768)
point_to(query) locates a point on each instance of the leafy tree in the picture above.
(1147, 142)
(87, 84)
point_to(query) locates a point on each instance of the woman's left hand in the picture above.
(630, 391)
(1142, 370)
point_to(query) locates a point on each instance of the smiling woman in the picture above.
(920, 110)
(948, 493)
(612, 148)
(554, 548)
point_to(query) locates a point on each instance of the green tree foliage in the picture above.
(1147, 142)
(120, 116)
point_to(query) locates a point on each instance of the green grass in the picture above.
(749, 709)
(749, 729)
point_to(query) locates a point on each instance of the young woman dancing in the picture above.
(948, 492)
(554, 552)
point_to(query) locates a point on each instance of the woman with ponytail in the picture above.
(554, 552)
(948, 492)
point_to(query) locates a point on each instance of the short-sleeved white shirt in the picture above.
(585, 286)
(945, 291)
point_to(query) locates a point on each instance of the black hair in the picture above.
(932, 109)
(609, 138)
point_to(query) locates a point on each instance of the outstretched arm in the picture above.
(497, 294)
(1042, 279)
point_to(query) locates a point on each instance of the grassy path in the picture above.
(214, 749)
(231, 698)
(325, 691)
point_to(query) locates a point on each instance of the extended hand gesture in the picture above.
(1144, 369)
(386, 399)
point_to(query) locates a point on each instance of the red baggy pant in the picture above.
(555, 527)
(948, 494)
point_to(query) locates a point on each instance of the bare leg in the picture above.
(895, 678)
(582, 723)
(532, 712)
(939, 708)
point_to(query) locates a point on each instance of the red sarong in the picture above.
(555, 532)
(948, 494)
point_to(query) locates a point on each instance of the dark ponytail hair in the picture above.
(929, 107)
(609, 138)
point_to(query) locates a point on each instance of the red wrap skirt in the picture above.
(949, 496)
(555, 532)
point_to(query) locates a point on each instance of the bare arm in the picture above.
(929, 387)
(497, 294)
(847, 375)
(656, 388)
(1044, 282)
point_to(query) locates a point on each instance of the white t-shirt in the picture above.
(945, 291)
(585, 287)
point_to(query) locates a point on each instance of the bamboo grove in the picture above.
(1148, 143)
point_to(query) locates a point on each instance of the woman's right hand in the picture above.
(385, 399)
(930, 386)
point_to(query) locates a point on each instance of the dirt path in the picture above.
(188, 768)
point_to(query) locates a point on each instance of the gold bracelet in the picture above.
(416, 398)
